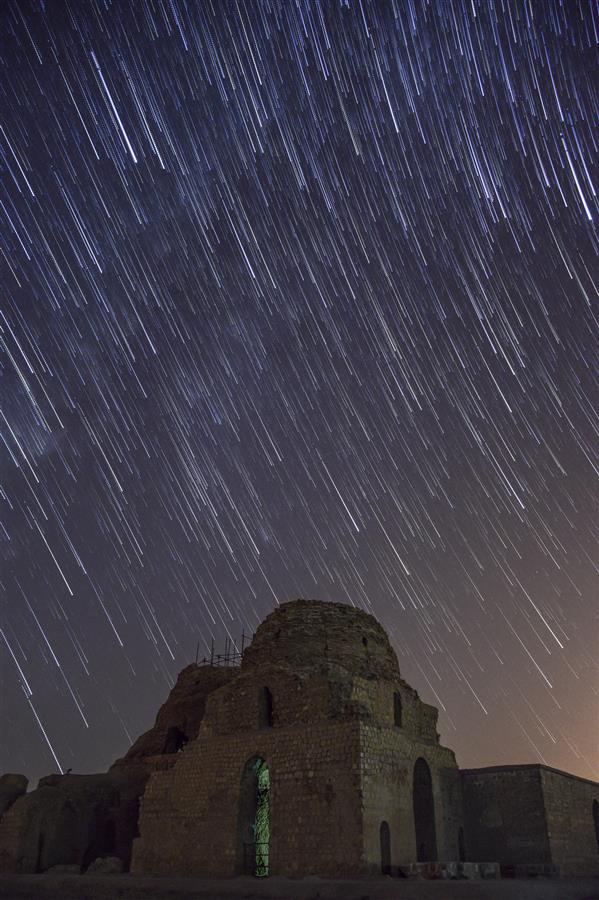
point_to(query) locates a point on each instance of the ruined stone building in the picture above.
(312, 757)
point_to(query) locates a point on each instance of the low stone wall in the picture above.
(505, 816)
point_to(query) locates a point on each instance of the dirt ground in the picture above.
(128, 887)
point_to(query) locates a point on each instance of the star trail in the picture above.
(299, 300)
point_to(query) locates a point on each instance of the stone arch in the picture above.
(596, 821)
(253, 821)
(397, 710)
(264, 708)
(424, 812)
(385, 843)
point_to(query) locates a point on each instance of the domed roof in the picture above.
(310, 636)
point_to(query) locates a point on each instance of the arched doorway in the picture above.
(254, 819)
(424, 813)
(461, 846)
(596, 821)
(385, 839)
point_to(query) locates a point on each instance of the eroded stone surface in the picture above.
(181, 714)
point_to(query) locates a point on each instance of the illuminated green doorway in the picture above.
(262, 826)
(254, 818)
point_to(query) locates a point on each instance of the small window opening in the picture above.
(365, 641)
(265, 708)
(397, 709)
(175, 740)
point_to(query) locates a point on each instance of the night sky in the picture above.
(298, 300)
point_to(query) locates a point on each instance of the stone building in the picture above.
(312, 757)
(357, 779)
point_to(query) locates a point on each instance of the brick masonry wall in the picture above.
(388, 757)
(234, 707)
(374, 697)
(189, 815)
(505, 816)
(569, 810)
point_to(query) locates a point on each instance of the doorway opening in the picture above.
(175, 740)
(385, 839)
(254, 818)
(424, 813)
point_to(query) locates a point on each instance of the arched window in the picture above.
(265, 708)
(385, 839)
(397, 710)
(175, 740)
(424, 813)
(596, 821)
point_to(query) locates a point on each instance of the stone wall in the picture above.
(189, 815)
(234, 708)
(387, 760)
(505, 816)
(573, 841)
(375, 699)
(531, 815)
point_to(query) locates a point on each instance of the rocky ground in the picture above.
(127, 887)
